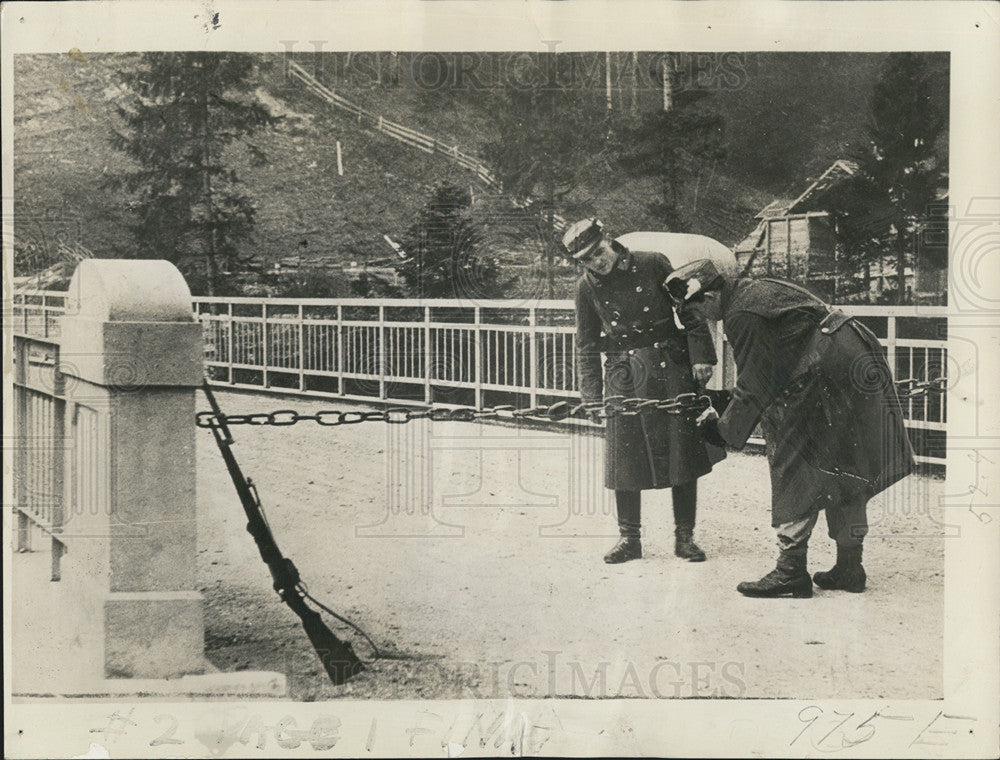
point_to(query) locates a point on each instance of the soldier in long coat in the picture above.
(817, 382)
(623, 311)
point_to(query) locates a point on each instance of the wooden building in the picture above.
(795, 239)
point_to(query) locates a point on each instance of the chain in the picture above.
(685, 403)
(613, 406)
(914, 388)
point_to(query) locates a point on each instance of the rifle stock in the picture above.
(338, 657)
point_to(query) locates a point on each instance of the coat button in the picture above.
(631, 352)
(607, 303)
(656, 345)
(638, 288)
(825, 330)
(663, 364)
(645, 308)
(614, 323)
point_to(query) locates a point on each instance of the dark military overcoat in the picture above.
(629, 316)
(818, 383)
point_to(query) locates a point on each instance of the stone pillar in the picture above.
(132, 358)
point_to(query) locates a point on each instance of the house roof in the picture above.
(837, 172)
(777, 207)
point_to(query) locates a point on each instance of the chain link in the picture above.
(912, 387)
(686, 403)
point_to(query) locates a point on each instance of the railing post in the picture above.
(133, 358)
(381, 352)
(57, 517)
(264, 352)
(533, 356)
(21, 431)
(231, 336)
(302, 350)
(340, 350)
(478, 376)
(428, 354)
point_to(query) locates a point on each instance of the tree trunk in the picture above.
(634, 106)
(667, 99)
(607, 80)
(900, 264)
(549, 258)
(212, 264)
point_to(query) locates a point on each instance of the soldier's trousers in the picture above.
(847, 524)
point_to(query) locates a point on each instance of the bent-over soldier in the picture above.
(817, 382)
(623, 310)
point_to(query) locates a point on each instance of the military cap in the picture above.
(581, 238)
(693, 280)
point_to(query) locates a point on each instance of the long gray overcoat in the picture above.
(822, 392)
(628, 315)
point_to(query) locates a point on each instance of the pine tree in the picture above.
(900, 169)
(550, 137)
(444, 259)
(182, 112)
(673, 145)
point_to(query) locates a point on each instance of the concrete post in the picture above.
(132, 357)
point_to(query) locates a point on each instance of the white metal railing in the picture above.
(419, 351)
(394, 350)
(39, 462)
(34, 312)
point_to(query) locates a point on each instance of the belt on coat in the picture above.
(797, 384)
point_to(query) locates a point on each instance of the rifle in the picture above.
(338, 657)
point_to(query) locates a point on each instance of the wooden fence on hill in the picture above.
(408, 136)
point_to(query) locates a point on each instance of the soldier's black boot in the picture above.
(685, 547)
(628, 506)
(685, 497)
(627, 548)
(847, 574)
(789, 578)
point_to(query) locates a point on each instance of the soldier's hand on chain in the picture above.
(709, 414)
(702, 373)
(708, 426)
(720, 399)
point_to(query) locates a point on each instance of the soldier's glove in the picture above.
(720, 399)
(708, 426)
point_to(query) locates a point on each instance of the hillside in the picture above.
(789, 116)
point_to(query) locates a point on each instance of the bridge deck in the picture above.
(502, 588)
